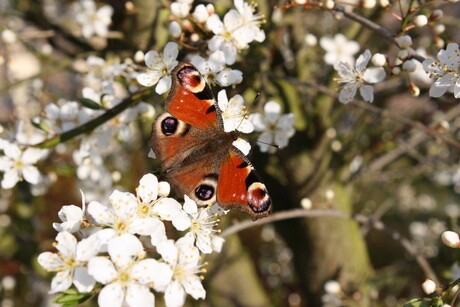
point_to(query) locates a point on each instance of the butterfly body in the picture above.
(198, 156)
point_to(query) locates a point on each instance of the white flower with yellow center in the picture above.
(18, 164)
(276, 128)
(126, 276)
(159, 68)
(70, 262)
(358, 78)
(183, 258)
(93, 21)
(202, 226)
(445, 71)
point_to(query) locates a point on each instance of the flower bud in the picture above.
(379, 59)
(409, 66)
(163, 189)
(451, 239)
(421, 21)
(404, 41)
(436, 15)
(428, 286)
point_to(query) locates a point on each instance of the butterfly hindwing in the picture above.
(239, 186)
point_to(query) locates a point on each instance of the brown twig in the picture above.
(361, 219)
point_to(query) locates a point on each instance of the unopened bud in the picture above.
(379, 59)
(404, 41)
(420, 21)
(409, 66)
(436, 15)
(428, 286)
(451, 239)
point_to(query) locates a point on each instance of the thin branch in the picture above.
(279, 216)
(391, 37)
(361, 219)
(94, 123)
(379, 225)
(429, 130)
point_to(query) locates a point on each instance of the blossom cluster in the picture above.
(122, 245)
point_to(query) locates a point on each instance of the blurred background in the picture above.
(391, 167)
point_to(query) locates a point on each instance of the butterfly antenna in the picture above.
(249, 109)
(269, 144)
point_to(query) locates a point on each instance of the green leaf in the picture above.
(436, 302)
(71, 298)
(418, 302)
(90, 104)
(41, 124)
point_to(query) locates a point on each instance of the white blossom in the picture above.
(18, 164)
(202, 226)
(70, 262)
(239, 28)
(159, 68)
(445, 71)
(339, 49)
(71, 217)
(183, 258)
(93, 21)
(234, 113)
(127, 276)
(354, 78)
(276, 128)
(214, 70)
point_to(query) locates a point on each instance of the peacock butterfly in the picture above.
(197, 155)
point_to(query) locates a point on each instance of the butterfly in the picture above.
(197, 155)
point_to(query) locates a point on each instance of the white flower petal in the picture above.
(163, 85)
(139, 295)
(50, 261)
(147, 79)
(111, 295)
(82, 280)
(363, 60)
(170, 210)
(367, 92)
(374, 74)
(190, 206)
(102, 214)
(10, 178)
(88, 248)
(32, 155)
(258, 121)
(31, 174)
(151, 271)
(158, 234)
(170, 52)
(174, 295)
(168, 251)
(61, 282)
(242, 145)
(66, 244)
(193, 286)
(148, 188)
(123, 249)
(102, 270)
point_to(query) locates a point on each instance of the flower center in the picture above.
(18, 164)
(143, 209)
